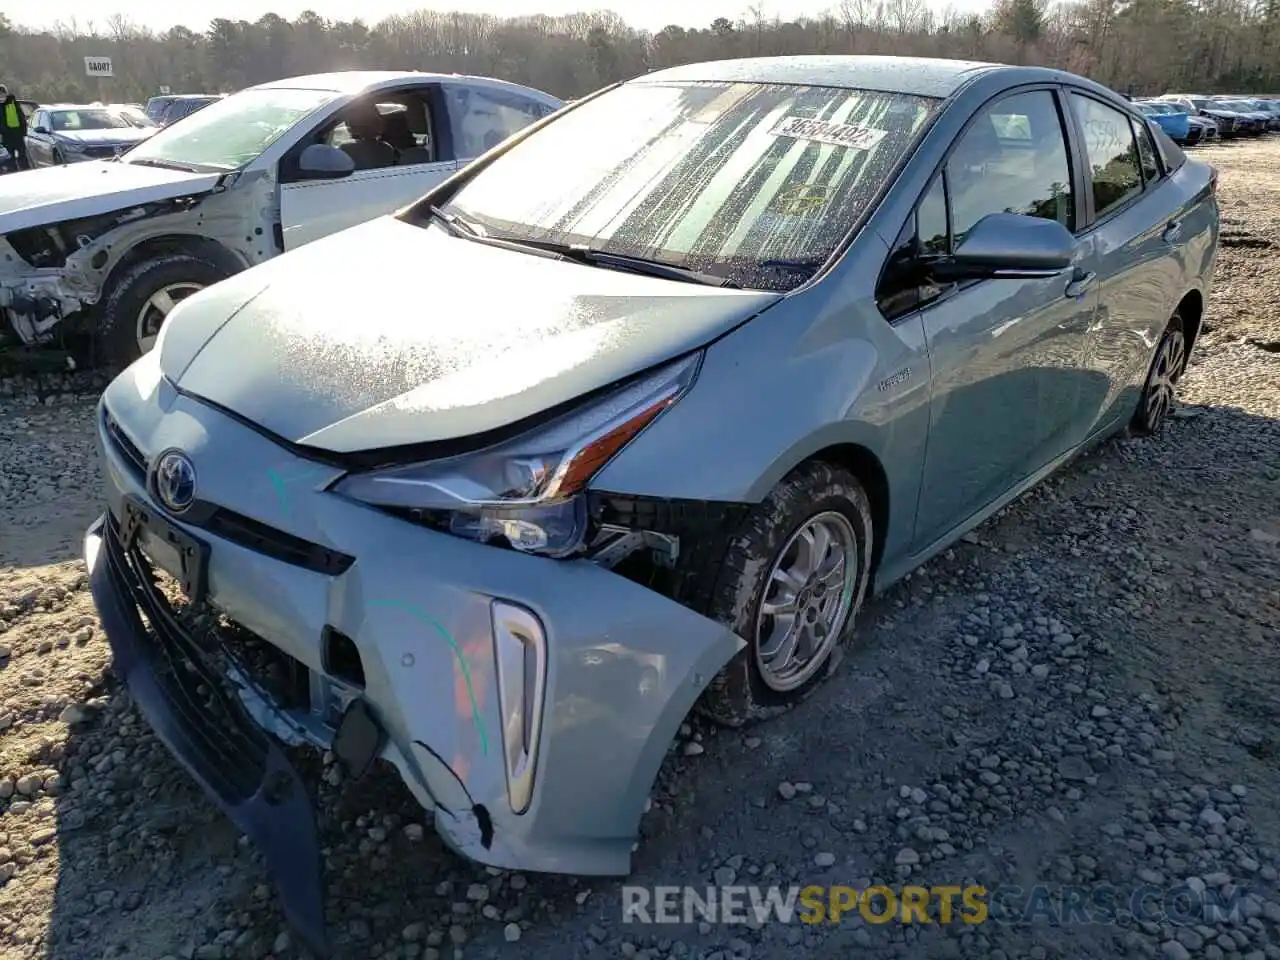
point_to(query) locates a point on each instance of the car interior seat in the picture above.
(396, 131)
(365, 125)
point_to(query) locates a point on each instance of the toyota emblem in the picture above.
(175, 481)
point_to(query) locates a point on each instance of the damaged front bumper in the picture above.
(240, 767)
(528, 703)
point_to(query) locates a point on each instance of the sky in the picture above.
(162, 14)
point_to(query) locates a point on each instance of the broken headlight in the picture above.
(528, 492)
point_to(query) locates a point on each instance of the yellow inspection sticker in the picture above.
(824, 131)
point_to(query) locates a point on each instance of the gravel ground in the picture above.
(1086, 691)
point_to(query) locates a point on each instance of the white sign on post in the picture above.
(98, 67)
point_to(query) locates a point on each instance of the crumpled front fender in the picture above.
(624, 666)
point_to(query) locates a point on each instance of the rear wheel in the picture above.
(791, 580)
(140, 301)
(1159, 393)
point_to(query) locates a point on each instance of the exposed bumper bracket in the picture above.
(359, 740)
(240, 767)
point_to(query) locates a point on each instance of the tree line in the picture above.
(1135, 46)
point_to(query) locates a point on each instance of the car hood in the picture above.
(52, 194)
(389, 335)
(110, 136)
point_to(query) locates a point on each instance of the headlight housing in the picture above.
(530, 491)
(71, 146)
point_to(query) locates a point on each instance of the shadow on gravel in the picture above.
(46, 533)
(1054, 701)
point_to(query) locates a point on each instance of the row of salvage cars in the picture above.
(1190, 119)
(626, 417)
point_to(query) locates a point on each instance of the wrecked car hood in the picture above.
(389, 334)
(49, 195)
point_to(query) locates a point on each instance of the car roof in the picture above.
(353, 82)
(920, 76)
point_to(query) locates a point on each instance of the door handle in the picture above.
(1172, 231)
(1080, 284)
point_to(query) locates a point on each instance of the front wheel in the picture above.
(790, 583)
(1159, 393)
(140, 301)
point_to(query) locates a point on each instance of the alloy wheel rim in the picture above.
(806, 601)
(157, 309)
(1162, 387)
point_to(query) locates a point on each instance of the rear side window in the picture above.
(482, 118)
(1171, 154)
(1151, 171)
(1112, 153)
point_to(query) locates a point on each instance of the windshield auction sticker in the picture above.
(824, 131)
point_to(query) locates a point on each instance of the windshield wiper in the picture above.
(652, 268)
(578, 253)
(163, 164)
(808, 267)
(459, 226)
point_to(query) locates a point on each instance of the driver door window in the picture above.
(394, 131)
(390, 137)
(1012, 159)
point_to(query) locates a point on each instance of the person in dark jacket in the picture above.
(13, 129)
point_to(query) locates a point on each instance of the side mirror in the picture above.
(320, 161)
(44, 130)
(1009, 246)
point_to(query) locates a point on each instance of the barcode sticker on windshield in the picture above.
(824, 131)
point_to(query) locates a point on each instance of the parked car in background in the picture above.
(1267, 105)
(1254, 110)
(134, 114)
(1174, 122)
(67, 133)
(112, 247)
(1202, 130)
(185, 107)
(1229, 122)
(735, 345)
(157, 107)
(1249, 122)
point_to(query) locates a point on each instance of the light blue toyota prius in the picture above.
(629, 416)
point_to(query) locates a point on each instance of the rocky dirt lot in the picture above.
(1086, 691)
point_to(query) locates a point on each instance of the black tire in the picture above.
(1158, 396)
(739, 694)
(117, 330)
